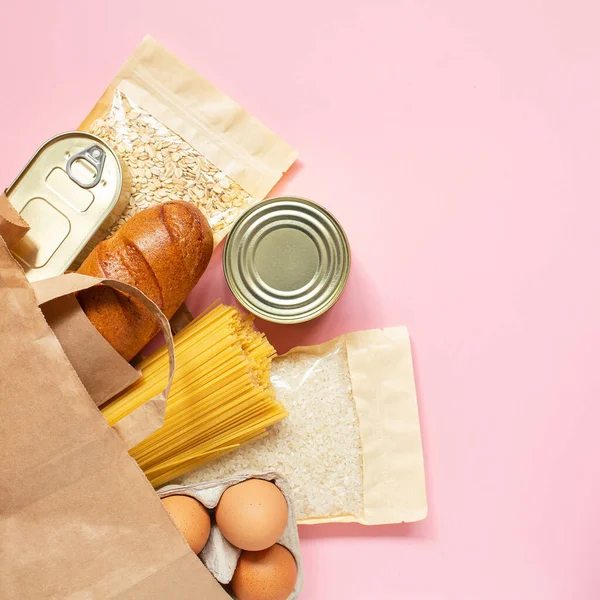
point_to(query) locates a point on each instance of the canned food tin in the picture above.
(287, 260)
(70, 193)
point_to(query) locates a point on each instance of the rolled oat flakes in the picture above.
(164, 167)
(183, 139)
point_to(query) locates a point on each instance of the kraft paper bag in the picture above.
(148, 417)
(12, 225)
(78, 519)
(102, 370)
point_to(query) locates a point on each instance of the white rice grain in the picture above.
(317, 448)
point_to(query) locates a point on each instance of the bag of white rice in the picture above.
(351, 446)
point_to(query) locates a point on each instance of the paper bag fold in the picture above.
(102, 370)
(147, 418)
(78, 519)
(12, 226)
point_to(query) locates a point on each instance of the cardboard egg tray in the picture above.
(221, 557)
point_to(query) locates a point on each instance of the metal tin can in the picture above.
(70, 193)
(287, 260)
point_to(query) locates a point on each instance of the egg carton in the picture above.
(219, 556)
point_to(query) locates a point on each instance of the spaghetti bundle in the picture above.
(221, 396)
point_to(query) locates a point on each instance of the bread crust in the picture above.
(163, 251)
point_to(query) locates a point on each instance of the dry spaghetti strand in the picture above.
(221, 395)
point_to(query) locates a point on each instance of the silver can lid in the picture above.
(287, 260)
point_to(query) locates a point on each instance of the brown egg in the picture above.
(191, 518)
(266, 575)
(252, 515)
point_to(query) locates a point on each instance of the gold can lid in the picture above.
(287, 260)
(70, 193)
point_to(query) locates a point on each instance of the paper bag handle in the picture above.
(147, 418)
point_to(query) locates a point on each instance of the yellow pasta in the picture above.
(221, 395)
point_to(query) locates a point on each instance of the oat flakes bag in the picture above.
(183, 139)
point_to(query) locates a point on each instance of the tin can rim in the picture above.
(121, 194)
(331, 301)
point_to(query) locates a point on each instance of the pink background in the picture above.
(458, 142)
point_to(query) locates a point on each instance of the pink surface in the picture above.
(458, 142)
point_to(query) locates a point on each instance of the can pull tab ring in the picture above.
(94, 156)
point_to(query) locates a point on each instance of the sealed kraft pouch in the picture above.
(351, 446)
(78, 519)
(183, 139)
(219, 556)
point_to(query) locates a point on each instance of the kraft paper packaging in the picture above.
(378, 365)
(78, 518)
(12, 225)
(175, 97)
(102, 370)
(148, 417)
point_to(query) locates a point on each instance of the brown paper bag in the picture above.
(78, 519)
(12, 226)
(148, 417)
(101, 369)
